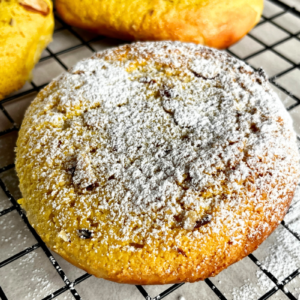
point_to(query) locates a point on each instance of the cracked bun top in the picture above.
(157, 162)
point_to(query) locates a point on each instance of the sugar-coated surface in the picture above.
(31, 277)
(246, 284)
(292, 219)
(157, 148)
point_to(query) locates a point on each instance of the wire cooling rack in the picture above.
(262, 48)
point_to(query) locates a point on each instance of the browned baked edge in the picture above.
(218, 31)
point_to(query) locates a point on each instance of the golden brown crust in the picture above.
(233, 255)
(251, 244)
(213, 23)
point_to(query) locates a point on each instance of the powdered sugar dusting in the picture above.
(246, 292)
(151, 145)
(263, 281)
(41, 281)
(292, 219)
(282, 256)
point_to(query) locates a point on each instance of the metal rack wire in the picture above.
(71, 286)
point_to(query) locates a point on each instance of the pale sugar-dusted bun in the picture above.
(157, 162)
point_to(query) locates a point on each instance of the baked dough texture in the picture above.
(24, 33)
(215, 23)
(157, 162)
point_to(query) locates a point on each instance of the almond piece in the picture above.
(62, 234)
(12, 22)
(39, 6)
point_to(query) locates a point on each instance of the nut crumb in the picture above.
(12, 22)
(85, 234)
(78, 72)
(189, 220)
(39, 6)
(62, 234)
